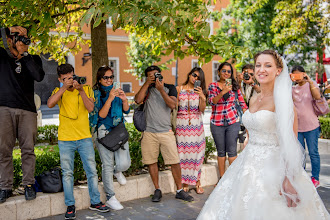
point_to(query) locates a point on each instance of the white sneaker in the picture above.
(114, 204)
(120, 177)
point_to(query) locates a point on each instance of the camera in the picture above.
(16, 37)
(79, 79)
(158, 76)
(246, 75)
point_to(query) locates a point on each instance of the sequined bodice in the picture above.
(261, 126)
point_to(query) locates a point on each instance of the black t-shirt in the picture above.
(17, 89)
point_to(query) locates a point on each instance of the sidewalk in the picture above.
(171, 208)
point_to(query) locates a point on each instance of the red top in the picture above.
(224, 109)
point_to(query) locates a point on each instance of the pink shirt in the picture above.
(302, 99)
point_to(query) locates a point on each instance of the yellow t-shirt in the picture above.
(74, 122)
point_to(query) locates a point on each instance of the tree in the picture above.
(292, 27)
(143, 52)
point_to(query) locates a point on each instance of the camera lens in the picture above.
(246, 76)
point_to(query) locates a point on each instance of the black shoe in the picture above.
(184, 196)
(70, 212)
(99, 207)
(5, 194)
(30, 193)
(157, 195)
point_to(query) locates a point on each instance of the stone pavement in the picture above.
(171, 208)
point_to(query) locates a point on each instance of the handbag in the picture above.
(116, 138)
(139, 117)
(321, 106)
(50, 181)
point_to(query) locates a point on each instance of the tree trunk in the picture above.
(99, 48)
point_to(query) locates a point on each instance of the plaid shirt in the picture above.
(224, 109)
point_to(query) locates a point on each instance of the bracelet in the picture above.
(313, 88)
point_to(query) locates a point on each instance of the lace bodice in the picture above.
(261, 127)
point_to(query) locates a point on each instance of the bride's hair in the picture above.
(276, 56)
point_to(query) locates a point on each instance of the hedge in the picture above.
(325, 127)
(48, 157)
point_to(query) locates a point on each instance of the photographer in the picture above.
(303, 94)
(249, 87)
(161, 99)
(18, 116)
(75, 102)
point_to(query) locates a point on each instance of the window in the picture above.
(109, 22)
(142, 80)
(194, 63)
(126, 87)
(114, 65)
(210, 21)
(215, 66)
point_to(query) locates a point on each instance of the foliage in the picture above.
(293, 27)
(209, 148)
(141, 53)
(48, 157)
(47, 134)
(325, 127)
(56, 26)
(52, 24)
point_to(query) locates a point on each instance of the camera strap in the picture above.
(5, 44)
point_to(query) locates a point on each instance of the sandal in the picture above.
(199, 189)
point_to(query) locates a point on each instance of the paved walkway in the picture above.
(171, 208)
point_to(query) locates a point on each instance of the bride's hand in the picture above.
(289, 189)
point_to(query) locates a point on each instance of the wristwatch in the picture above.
(24, 54)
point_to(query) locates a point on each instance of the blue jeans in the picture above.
(312, 145)
(86, 151)
(108, 158)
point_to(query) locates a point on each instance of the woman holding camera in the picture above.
(225, 123)
(190, 130)
(110, 104)
(303, 94)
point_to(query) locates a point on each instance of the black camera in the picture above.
(16, 37)
(79, 79)
(158, 76)
(246, 75)
(24, 40)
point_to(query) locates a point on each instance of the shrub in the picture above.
(325, 127)
(48, 157)
(47, 134)
(209, 148)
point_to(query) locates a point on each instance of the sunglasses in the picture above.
(195, 75)
(224, 71)
(108, 77)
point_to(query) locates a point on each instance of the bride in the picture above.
(267, 181)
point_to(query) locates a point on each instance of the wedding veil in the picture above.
(291, 151)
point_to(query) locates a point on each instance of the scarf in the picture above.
(115, 113)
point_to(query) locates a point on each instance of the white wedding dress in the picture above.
(250, 187)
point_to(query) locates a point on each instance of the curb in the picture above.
(324, 146)
(136, 187)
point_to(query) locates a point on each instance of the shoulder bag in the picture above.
(50, 181)
(116, 138)
(139, 117)
(321, 106)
